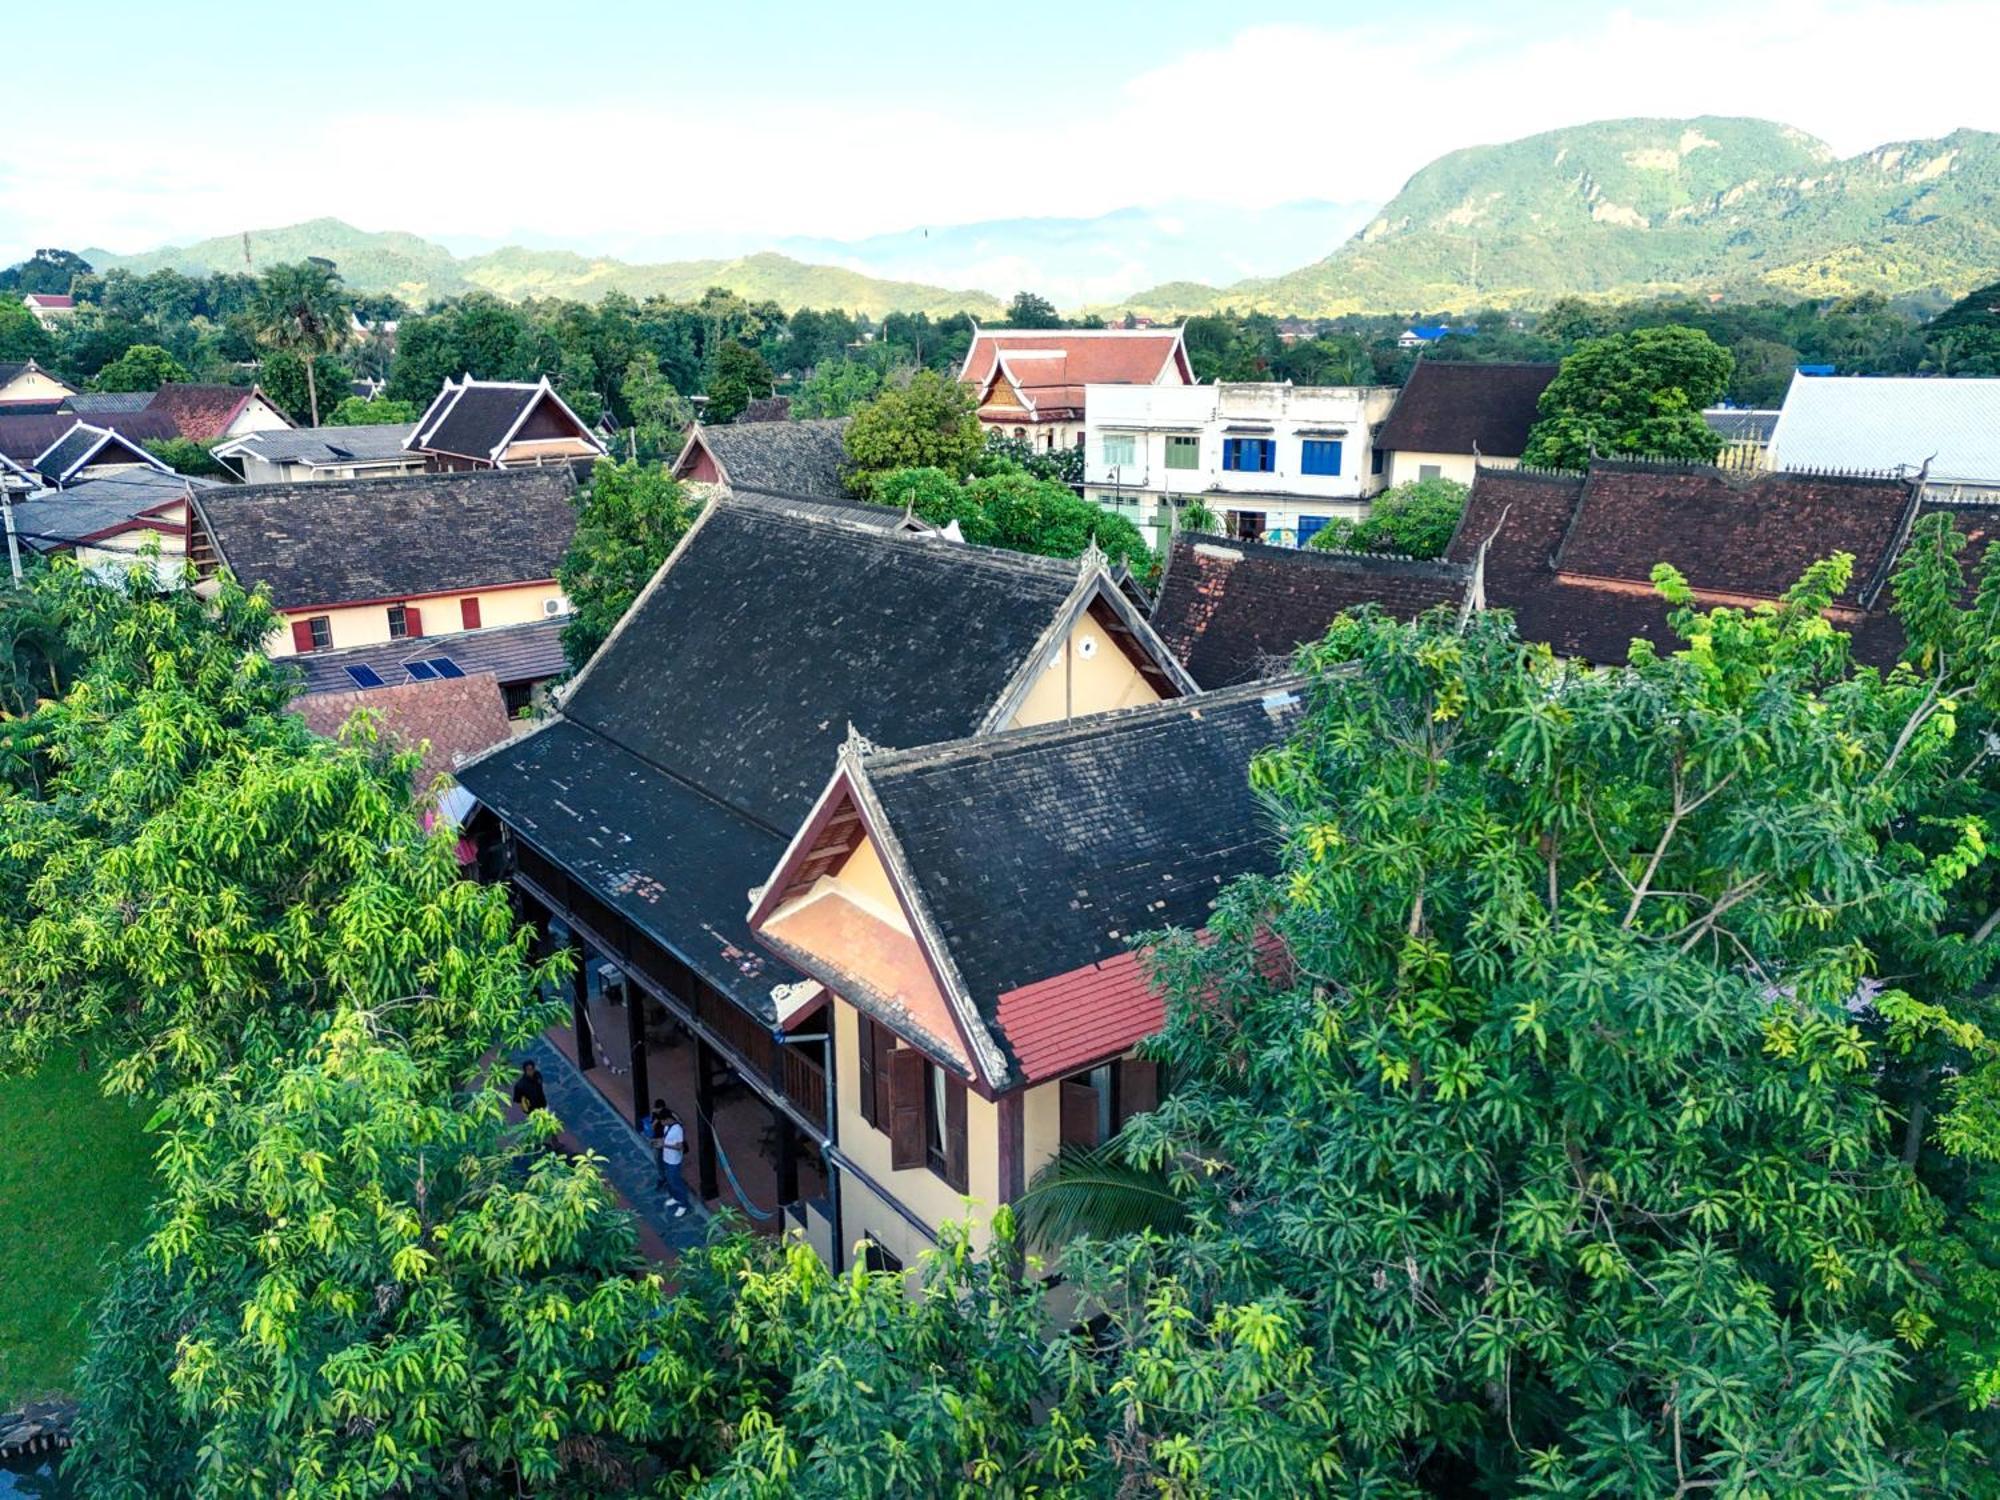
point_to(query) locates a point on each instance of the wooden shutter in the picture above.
(468, 613)
(954, 1133)
(865, 1035)
(906, 1108)
(1138, 1087)
(413, 620)
(885, 1045)
(302, 635)
(1078, 1113)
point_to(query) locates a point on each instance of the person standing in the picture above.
(670, 1147)
(529, 1095)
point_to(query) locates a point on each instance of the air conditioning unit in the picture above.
(552, 607)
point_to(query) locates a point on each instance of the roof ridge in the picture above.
(406, 481)
(1322, 554)
(1079, 727)
(1004, 558)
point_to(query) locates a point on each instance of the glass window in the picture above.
(1184, 453)
(1249, 455)
(1320, 456)
(1375, 461)
(399, 623)
(1120, 450)
(1429, 471)
(322, 632)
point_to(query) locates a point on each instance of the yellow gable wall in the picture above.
(33, 385)
(1089, 675)
(863, 880)
(368, 624)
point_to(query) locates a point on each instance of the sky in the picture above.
(662, 127)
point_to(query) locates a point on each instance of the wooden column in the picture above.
(704, 1103)
(1013, 1145)
(635, 1032)
(788, 1158)
(579, 1007)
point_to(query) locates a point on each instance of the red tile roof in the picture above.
(200, 412)
(1058, 1025)
(51, 300)
(455, 718)
(1051, 367)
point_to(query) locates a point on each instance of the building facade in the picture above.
(1453, 417)
(1031, 385)
(1273, 462)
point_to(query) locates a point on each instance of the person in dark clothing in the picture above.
(529, 1095)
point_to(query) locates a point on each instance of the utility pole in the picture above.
(13, 541)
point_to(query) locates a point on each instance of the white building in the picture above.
(1274, 462)
(1947, 428)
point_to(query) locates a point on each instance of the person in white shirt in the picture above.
(670, 1143)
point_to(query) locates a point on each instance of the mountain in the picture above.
(1078, 262)
(1629, 208)
(417, 270)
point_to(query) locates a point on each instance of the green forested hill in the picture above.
(1630, 208)
(418, 270)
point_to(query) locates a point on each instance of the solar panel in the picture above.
(446, 667)
(365, 677)
(420, 671)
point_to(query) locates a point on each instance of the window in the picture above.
(1249, 455)
(315, 634)
(1429, 471)
(1120, 450)
(404, 622)
(1319, 456)
(1184, 453)
(875, 1258)
(917, 1104)
(468, 613)
(1093, 1105)
(1079, 440)
(876, 1044)
(1310, 527)
(944, 1125)
(1246, 525)
(1376, 457)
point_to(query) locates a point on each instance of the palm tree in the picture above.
(300, 309)
(1096, 1193)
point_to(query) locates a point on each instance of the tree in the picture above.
(736, 377)
(142, 367)
(1632, 393)
(1019, 512)
(837, 388)
(366, 411)
(300, 310)
(186, 456)
(1546, 1093)
(21, 334)
(1002, 454)
(628, 519)
(1030, 311)
(1416, 519)
(928, 423)
(661, 416)
(284, 378)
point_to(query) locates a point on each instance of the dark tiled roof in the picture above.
(1572, 557)
(325, 542)
(92, 403)
(529, 652)
(1227, 609)
(453, 718)
(766, 409)
(1456, 406)
(53, 519)
(199, 412)
(818, 508)
(25, 437)
(1734, 425)
(743, 663)
(1042, 852)
(676, 864)
(326, 447)
(84, 442)
(800, 458)
(477, 421)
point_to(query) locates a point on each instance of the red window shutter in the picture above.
(413, 619)
(954, 1133)
(906, 1108)
(865, 1035)
(1138, 1087)
(468, 613)
(302, 635)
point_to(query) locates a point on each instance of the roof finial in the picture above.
(1093, 560)
(856, 747)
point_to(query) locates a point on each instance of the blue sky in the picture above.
(656, 128)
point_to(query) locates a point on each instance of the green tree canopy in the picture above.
(927, 424)
(301, 311)
(736, 377)
(660, 414)
(1416, 519)
(1017, 511)
(143, 367)
(363, 411)
(21, 333)
(628, 519)
(1030, 311)
(1632, 393)
(186, 456)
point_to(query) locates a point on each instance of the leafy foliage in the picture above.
(143, 367)
(629, 518)
(1013, 510)
(186, 456)
(1416, 519)
(926, 424)
(1063, 465)
(299, 310)
(736, 377)
(1639, 393)
(364, 411)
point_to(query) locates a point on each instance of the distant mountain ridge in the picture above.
(418, 270)
(1628, 208)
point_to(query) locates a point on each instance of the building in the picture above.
(521, 658)
(1745, 433)
(215, 413)
(1030, 385)
(1274, 462)
(450, 719)
(1235, 612)
(298, 454)
(1949, 429)
(111, 518)
(106, 403)
(50, 309)
(966, 914)
(782, 457)
(360, 562)
(23, 383)
(1452, 415)
(699, 739)
(499, 424)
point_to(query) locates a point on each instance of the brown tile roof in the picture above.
(200, 412)
(1051, 367)
(1228, 609)
(1456, 406)
(453, 718)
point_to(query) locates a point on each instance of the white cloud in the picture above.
(1277, 113)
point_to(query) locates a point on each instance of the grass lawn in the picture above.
(75, 1178)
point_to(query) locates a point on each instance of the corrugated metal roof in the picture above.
(1891, 423)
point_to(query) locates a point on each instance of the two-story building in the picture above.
(362, 562)
(1032, 384)
(1275, 462)
(1453, 416)
(501, 424)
